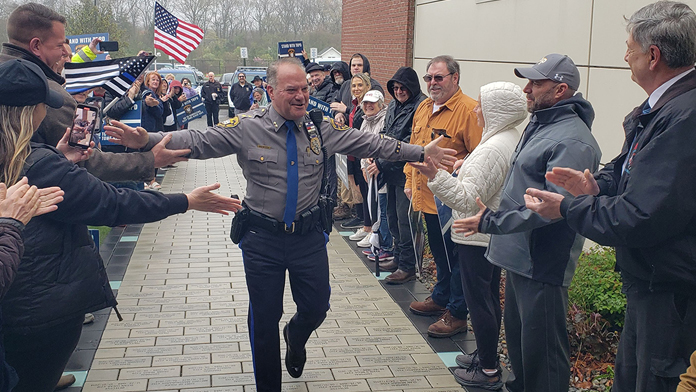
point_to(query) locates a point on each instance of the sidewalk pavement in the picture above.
(184, 302)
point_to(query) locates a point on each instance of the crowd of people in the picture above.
(526, 204)
(520, 201)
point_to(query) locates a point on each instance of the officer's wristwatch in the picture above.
(422, 157)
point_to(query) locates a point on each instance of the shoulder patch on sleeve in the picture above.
(337, 126)
(231, 123)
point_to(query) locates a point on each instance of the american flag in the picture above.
(173, 36)
(116, 75)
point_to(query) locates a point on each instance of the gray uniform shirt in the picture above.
(259, 138)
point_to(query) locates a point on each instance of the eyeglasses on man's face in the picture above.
(399, 88)
(438, 78)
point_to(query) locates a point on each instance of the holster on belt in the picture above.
(240, 224)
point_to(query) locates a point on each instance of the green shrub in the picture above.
(596, 287)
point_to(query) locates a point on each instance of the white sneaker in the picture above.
(365, 242)
(360, 234)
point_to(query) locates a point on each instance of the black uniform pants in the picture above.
(658, 338)
(40, 357)
(266, 258)
(481, 284)
(397, 216)
(212, 110)
(536, 334)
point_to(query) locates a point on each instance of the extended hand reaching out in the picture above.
(441, 157)
(127, 136)
(202, 199)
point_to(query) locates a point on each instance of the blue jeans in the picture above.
(448, 291)
(386, 242)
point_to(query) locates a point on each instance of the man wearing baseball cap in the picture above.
(539, 255)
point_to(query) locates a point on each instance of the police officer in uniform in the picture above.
(280, 152)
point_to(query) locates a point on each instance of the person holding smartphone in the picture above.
(44, 309)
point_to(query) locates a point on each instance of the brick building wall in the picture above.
(380, 30)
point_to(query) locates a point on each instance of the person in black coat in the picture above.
(18, 205)
(321, 84)
(405, 89)
(339, 73)
(211, 93)
(239, 93)
(343, 101)
(61, 275)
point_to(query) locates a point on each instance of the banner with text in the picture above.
(290, 49)
(191, 109)
(321, 105)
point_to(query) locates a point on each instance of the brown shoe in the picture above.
(427, 308)
(447, 326)
(65, 381)
(389, 266)
(400, 276)
(342, 212)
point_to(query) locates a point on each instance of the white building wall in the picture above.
(491, 37)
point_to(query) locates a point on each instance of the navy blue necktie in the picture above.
(646, 108)
(291, 197)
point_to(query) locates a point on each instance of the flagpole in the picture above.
(153, 40)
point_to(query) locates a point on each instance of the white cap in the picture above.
(373, 96)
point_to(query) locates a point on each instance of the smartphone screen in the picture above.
(108, 46)
(84, 126)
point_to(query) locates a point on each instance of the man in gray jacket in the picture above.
(539, 255)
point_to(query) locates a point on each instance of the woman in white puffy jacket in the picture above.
(502, 106)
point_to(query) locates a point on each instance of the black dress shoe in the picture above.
(294, 360)
(389, 266)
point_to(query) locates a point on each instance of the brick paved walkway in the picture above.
(184, 303)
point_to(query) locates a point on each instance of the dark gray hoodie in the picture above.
(523, 242)
(344, 94)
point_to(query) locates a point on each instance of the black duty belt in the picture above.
(308, 220)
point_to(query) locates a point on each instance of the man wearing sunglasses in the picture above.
(450, 113)
(239, 93)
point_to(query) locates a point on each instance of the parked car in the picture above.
(250, 72)
(226, 81)
(181, 73)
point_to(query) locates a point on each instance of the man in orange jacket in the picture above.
(447, 111)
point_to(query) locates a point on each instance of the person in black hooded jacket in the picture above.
(343, 101)
(405, 89)
(339, 73)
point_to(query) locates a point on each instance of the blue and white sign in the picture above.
(191, 109)
(131, 118)
(290, 49)
(319, 104)
(77, 42)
